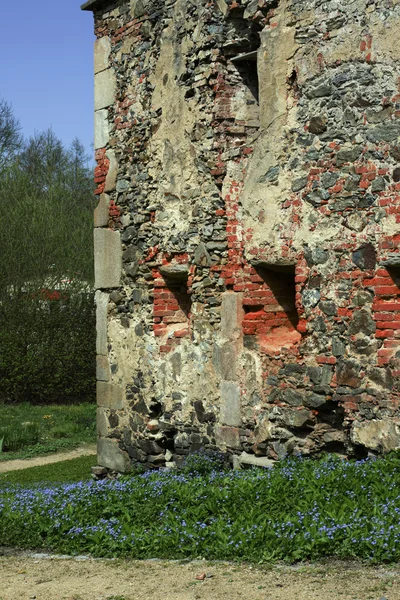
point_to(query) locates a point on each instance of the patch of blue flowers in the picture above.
(301, 509)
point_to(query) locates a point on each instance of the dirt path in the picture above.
(15, 465)
(34, 577)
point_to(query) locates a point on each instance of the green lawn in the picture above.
(66, 471)
(27, 430)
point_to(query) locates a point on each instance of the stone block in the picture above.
(103, 371)
(102, 49)
(112, 457)
(250, 460)
(104, 89)
(110, 395)
(107, 258)
(376, 435)
(230, 404)
(231, 315)
(227, 437)
(101, 133)
(111, 178)
(225, 361)
(102, 423)
(101, 299)
(101, 211)
(138, 8)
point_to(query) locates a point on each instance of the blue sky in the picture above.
(46, 66)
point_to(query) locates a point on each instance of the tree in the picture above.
(10, 134)
(47, 325)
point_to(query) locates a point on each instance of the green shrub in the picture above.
(47, 349)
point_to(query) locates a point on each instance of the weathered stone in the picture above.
(227, 437)
(230, 413)
(103, 371)
(107, 258)
(225, 361)
(101, 300)
(111, 178)
(102, 422)
(110, 395)
(201, 256)
(392, 260)
(317, 125)
(362, 322)
(104, 89)
(295, 418)
(348, 155)
(231, 315)
(376, 435)
(347, 373)
(102, 49)
(245, 459)
(315, 401)
(101, 211)
(311, 298)
(387, 132)
(328, 307)
(293, 398)
(111, 456)
(299, 184)
(365, 257)
(101, 133)
(175, 271)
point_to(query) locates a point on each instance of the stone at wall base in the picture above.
(99, 472)
(249, 460)
(111, 456)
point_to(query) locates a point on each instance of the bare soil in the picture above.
(50, 578)
(38, 461)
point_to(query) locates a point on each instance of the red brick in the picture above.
(388, 324)
(325, 360)
(180, 333)
(381, 305)
(387, 290)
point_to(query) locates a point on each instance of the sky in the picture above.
(46, 67)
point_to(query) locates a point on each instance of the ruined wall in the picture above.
(247, 234)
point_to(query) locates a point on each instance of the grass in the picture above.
(27, 430)
(302, 509)
(66, 471)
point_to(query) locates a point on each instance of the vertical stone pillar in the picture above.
(230, 347)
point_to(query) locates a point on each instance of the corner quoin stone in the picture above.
(103, 371)
(101, 214)
(104, 89)
(107, 259)
(102, 49)
(101, 300)
(101, 134)
(110, 395)
(110, 456)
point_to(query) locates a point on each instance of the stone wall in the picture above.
(247, 236)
